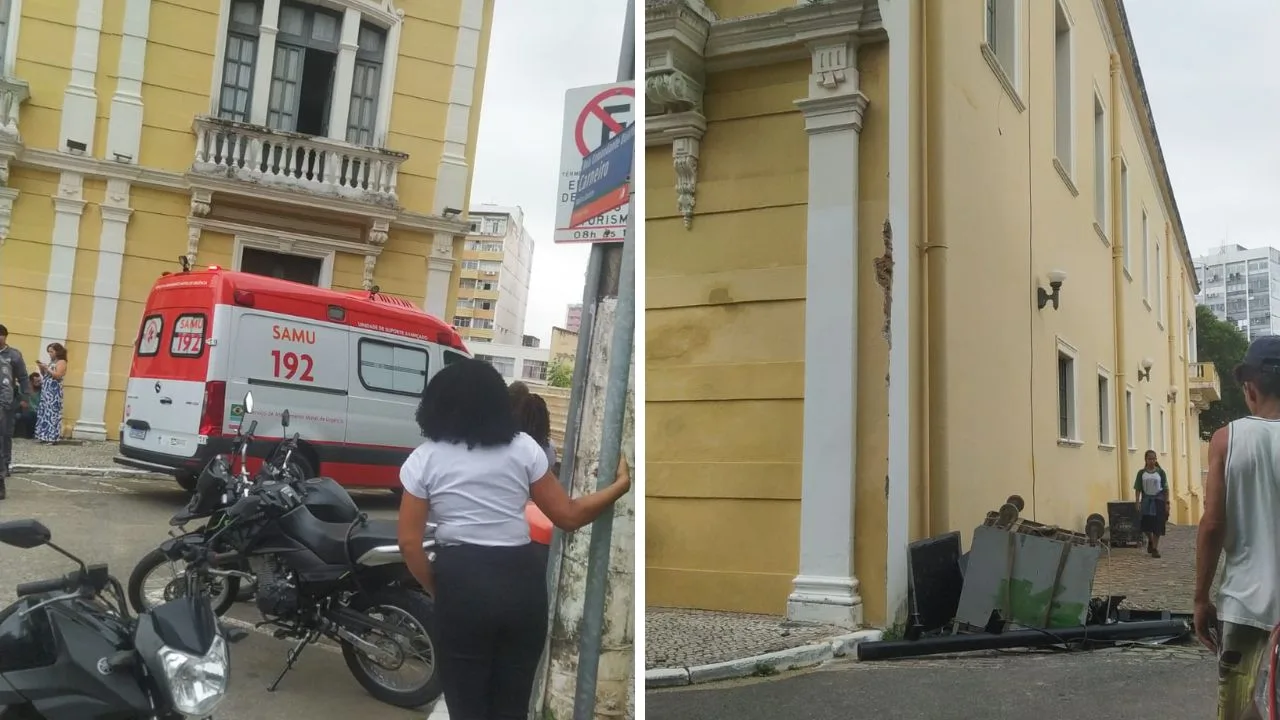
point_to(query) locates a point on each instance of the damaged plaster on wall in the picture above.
(615, 686)
(884, 276)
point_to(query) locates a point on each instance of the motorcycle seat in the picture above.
(372, 534)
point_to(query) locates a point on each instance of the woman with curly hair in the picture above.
(473, 477)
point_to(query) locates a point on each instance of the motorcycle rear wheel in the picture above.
(154, 560)
(403, 603)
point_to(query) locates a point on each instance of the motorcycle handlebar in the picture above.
(66, 583)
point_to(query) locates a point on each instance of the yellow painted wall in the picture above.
(176, 82)
(424, 73)
(1011, 238)
(45, 40)
(725, 349)
(24, 260)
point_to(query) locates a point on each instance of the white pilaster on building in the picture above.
(267, 32)
(344, 75)
(102, 323)
(124, 131)
(451, 176)
(68, 207)
(826, 588)
(80, 100)
(439, 279)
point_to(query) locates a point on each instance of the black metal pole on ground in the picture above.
(891, 649)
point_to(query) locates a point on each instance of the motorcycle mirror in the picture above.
(284, 419)
(24, 534)
(248, 402)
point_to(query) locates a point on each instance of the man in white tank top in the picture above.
(1240, 523)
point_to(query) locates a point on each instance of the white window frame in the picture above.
(1125, 218)
(1151, 425)
(1128, 417)
(11, 37)
(1146, 257)
(264, 242)
(1072, 438)
(1066, 164)
(376, 12)
(1005, 62)
(1101, 161)
(1164, 431)
(1106, 409)
(1159, 260)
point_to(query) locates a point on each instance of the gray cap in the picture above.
(1264, 354)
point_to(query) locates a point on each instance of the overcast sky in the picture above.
(540, 49)
(1211, 75)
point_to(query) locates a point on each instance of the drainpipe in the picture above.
(923, 397)
(1118, 285)
(1171, 333)
(934, 290)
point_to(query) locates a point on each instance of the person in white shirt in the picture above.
(1240, 522)
(473, 477)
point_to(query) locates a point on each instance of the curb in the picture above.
(761, 665)
(24, 468)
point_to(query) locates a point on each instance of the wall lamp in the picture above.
(1144, 374)
(1056, 278)
(1172, 395)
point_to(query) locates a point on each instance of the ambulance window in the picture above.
(451, 357)
(188, 336)
(389, 368)
(149, 336)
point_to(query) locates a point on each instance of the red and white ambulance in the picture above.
(349, 367)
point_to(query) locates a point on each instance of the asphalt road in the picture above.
(117, 521)
(1171, 683)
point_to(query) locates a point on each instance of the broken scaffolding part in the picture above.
(1116, 632)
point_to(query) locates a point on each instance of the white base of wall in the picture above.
(825, 600)
(88, 430)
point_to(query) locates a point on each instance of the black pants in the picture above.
(491, 623)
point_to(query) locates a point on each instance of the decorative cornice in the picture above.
(835, 101)
(786, 34)
(312, 241)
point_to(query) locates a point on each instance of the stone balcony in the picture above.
(1204, 384)
(253, 157)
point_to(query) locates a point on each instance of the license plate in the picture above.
(137, 433)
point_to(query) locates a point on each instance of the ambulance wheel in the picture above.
(187, 481)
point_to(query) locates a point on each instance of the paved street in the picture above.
(1167, 683)
(117, 521)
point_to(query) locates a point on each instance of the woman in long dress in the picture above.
(49, 416)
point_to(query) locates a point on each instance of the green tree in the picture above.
(1221, 343)
(560, 374)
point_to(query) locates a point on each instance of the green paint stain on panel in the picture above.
(1027, 607)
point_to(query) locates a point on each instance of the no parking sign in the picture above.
(592, 116)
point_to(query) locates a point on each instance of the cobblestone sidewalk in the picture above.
(687, 638)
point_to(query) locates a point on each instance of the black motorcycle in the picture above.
(70, 650)
(157, 577)
(320, 571)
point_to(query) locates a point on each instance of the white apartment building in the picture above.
(1242, 286)
(497, 265)
(517, 362)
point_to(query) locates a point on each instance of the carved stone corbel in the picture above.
(676, 33)
(193, 243)
(377, 236)
(379, 232)
(370, 262)
(7, 197)
(201, 203)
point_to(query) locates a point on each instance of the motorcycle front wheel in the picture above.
(415, 659)
(156, 580)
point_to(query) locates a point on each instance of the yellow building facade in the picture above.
(324, 141)
(857, 213)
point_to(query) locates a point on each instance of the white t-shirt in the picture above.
(477, 497)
